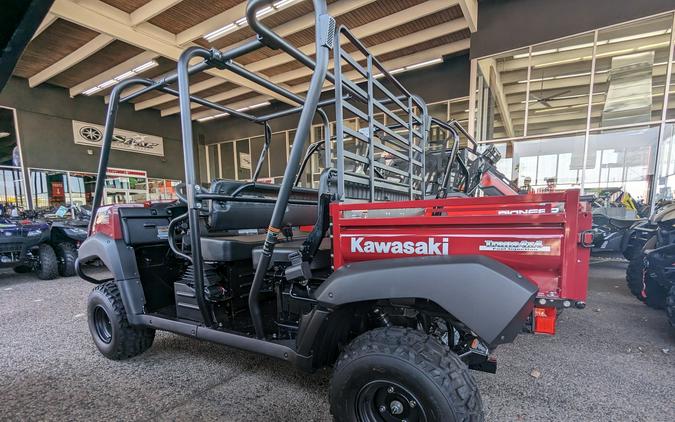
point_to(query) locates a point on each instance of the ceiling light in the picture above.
(91, 91)
(263, 104)
(220, 32)
(265, 11)
(215, 116)
(116, 79)
(423, 64)
(241, 22)
(125, 75)
(106, 84)
(144, 66)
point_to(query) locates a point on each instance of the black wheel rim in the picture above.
(388, 401)
(102, 324)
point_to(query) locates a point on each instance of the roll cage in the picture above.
(355, 176)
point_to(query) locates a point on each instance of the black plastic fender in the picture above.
(490, 298)
(120, 260)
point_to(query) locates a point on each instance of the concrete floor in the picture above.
(606, 363)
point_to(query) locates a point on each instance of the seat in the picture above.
(283, 251)
(622, 223)
(230, 248)
(255, 204)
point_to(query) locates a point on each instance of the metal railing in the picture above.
(387, 160)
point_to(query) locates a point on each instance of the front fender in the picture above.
(120, 260)
(490, 298)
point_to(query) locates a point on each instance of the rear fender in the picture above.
(120, 260)
(490, 298)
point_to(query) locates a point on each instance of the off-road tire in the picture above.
(634, 276)
(22, 269)
(48, 268)
(410, 361)
(655, 293)
(670, 306)
(633, 248)
(66, 252)
(124, 341)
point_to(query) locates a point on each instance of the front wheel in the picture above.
(48, 267)
(114, 337)
(400, 374)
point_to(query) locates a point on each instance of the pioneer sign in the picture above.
(125, 140)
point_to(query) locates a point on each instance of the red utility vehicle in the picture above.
(399, 293)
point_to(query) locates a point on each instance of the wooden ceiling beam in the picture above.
(150, 10)
(48, 20)
(68, 10)
(334, 9)
(371, 28)
(70, 60)
(470, 12)
(380, 49)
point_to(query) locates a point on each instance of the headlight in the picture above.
(36, 232)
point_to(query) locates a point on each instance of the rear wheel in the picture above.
(48, 267)
(66, 253)
(635, 274)
(114, 337)
(670, 306)
(400, 374)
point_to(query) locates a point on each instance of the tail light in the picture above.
(544, 320)
(107, 222)
(586, 238)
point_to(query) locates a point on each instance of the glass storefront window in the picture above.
(621, 72)
(665, 183)
(162, 189)
(560, 77)
(50, 189)
(256, 150)
(227, 160)
(243, 160)
(214, 163)
(501, 95)
(546, 164)
(670, 112)
(82, 187)
(630, 72)
(622, 159)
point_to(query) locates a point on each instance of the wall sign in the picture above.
(125, 140)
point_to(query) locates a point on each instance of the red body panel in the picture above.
(536, 235)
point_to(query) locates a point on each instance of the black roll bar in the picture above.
(325, 26)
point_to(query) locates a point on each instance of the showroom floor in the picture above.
(613, 361)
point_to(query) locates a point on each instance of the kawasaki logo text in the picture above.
(429, 247)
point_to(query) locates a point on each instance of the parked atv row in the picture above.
(651, 272)
(47, 246)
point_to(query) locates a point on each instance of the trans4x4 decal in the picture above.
(515, 246)
(396, 247)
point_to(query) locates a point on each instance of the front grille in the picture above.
(11, 247)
